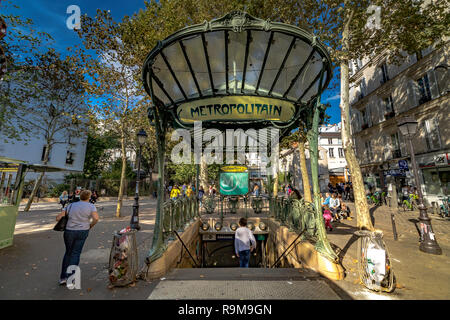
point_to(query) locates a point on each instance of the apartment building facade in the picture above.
(330, 140)
(380, 95)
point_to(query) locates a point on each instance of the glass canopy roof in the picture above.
(236, 55)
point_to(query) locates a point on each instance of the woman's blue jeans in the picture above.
(74, 241)
(244, 258)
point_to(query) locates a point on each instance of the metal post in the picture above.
(134, 224)
(158, 242)
(428, 241)
(2, 182)
(323, 244)
(394, 228)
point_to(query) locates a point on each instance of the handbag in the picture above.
(62, 223)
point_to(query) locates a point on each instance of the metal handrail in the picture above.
(279, 258)
(190, 255)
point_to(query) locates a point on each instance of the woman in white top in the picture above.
(82, 217)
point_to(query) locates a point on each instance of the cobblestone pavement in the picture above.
(30, 268)
(419, 275)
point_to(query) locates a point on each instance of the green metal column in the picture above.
(157, 248)
(322, 244)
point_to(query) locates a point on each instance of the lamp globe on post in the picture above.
(134, 224)
(428, 243)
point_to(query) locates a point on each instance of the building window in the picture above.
(341, 152)
(70, 157)
(432, 134)
(389, 108)
(395, 143)
(362, 89)
(424, 89)
(330, 141)
(437, 180)
(365, 118)
(369, 153)
(331, 152)
(384, 73)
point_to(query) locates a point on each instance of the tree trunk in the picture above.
(362, 208)
(304, 170)
(37, 184)
(122, 176)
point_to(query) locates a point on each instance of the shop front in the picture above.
(435, 171)
(337, 176)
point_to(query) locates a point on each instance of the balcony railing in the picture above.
(396, 153)
(389, 115)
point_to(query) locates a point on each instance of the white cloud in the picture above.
(335, 97)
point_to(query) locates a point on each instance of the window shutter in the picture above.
(403, 147)
(433, 84)
(413, 94)
(387, 148)
(432, 134)
(368, 116)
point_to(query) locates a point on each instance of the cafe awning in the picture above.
(235, 72)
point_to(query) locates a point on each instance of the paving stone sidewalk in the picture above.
(419, 275)
(30, 268)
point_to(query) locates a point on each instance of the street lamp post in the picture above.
(428, 243)
(134, 224)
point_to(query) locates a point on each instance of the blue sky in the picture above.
(50, 16)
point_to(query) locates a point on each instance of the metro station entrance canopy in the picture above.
(237, 72)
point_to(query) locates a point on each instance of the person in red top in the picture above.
(327, 216)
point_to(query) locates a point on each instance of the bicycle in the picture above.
(411, 202)
(374, 198)
(444, 207)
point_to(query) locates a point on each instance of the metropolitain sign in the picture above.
(236, 108)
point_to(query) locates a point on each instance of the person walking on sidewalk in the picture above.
(77, 230)
(201, 193)
(63, 199)
(244, 243)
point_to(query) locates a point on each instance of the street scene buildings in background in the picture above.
(108, 190)
(332, 164)
(380, 96)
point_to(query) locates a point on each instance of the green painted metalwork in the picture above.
(158, 243)
(209, 203)
(322, 245)
(257, 204)
(10, 209)
(177, 215)
(233, 204)
(297, 215)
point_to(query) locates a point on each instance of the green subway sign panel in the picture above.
(236, 108)
(233, 183)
